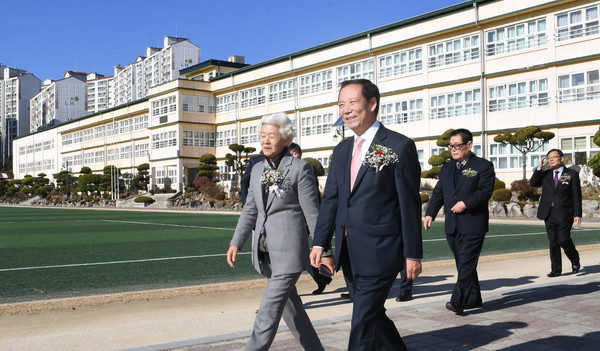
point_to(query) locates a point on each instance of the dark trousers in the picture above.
(319, 278)
(371, 329)
(405, 284)
(466, 250)
(559, 236)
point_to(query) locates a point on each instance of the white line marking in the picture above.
(213, 255)
(114, 262)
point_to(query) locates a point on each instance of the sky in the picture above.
(47, 38)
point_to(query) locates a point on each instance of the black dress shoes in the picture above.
(320, 289)
(474, 305)
(553, 274)
(345, 296)
(576, 268)
(404, 296)
(451, 306)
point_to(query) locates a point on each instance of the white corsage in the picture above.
(565, 178)
(379, 157)
(273, 178)
(469, 172)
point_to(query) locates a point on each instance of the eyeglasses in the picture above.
(553, 157)
(456, 146)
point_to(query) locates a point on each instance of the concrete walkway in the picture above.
(523, 310)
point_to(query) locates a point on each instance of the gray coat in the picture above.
(286, 218)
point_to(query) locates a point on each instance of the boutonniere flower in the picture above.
(469, 172)
(272, 178)
(379, 157)
(565, 178)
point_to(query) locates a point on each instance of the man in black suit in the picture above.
(465, 185)
(371, 201)
(560, 207)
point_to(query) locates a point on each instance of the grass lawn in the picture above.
(50, 253)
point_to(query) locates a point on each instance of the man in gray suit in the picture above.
(282, 204)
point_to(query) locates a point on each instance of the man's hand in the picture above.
(232, 255)
(459, 207)
(577, 221)
(413, 268)
(543, 162)
(427, 222)
(317, 259)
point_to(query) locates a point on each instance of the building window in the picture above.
(252, 97)
(505, 156)
(316, 82)
(318, 124)
(88, 158)
(164, 106)
(99, 132)
(518, 37)
(125, 126)
(249, 135)
(226, 137)
(172, 176)
(282, 90)
(578, 150)
(198, 104)
(576, 24)
(112, 129)
(67, 139)
(112, 154)
(456, 104)
(360, 70)
(140, 122)
(164, 139)
(402, 112)
(99, 156)
(454, 51)
(198, 138)
(227, 103)
(511, 96)
(88, 134)
(141, 150)
(400, 63)
(578, 87)
(125, 152)
(48, 144)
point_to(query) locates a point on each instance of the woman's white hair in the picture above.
(280, 119)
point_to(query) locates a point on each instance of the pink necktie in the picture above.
(355, 164)
(555, 179)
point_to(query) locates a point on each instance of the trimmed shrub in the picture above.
(144, 199)
(498, 184)
(220, 196)
(501, 195)
(523, 189)
(424, 198)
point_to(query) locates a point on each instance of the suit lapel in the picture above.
(461, 178)
(258, 195)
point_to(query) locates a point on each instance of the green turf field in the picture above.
(49, 253)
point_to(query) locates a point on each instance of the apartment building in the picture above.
(58, 102)
(489, 66)
(17, 87)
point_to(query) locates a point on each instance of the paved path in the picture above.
(523, 310)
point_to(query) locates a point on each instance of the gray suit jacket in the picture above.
(285, 219)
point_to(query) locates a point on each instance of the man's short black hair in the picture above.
(465, 134)
(560, 153)
(294, 146)
(369, 90)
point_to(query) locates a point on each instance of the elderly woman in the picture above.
(282, 204)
